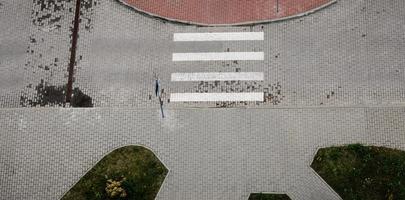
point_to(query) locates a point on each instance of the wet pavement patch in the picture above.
(51, 95)
(81, 100)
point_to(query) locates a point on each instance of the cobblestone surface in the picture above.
(211, 153)
(34, 49)
(14, 16)
(349, 54)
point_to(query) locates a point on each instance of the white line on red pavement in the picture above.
(225, 36)
(219, 76)
(212, 97)
(217, 56)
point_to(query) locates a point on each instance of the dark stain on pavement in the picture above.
(49, 12)
(331, 96)
(46, 95)
(86, 12)
(50, 95)
(46, 64)
(273, 93)
(81, 100)
(86, 24)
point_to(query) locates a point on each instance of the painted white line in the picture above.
(225, 36)
(218, 56)
(212, 97)
(219, 76)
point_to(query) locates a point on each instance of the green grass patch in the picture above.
(260, 196)
(359, 172)
(133, 170)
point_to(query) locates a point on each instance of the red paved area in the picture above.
(215, 12)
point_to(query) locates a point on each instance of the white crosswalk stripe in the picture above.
(212, 97)
(218, 76)
(218, 56)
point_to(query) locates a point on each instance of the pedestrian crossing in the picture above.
(217, 76)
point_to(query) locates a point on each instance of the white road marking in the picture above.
(219, 76)
(212, 97)
(217, 56)
(225, 36)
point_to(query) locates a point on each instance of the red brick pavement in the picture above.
(226, 12)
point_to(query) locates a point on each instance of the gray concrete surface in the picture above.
(335, 77)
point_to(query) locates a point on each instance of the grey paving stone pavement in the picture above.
(348, 54)
(12, 50)
(211, 153)
(334, 77)
(34, 49)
